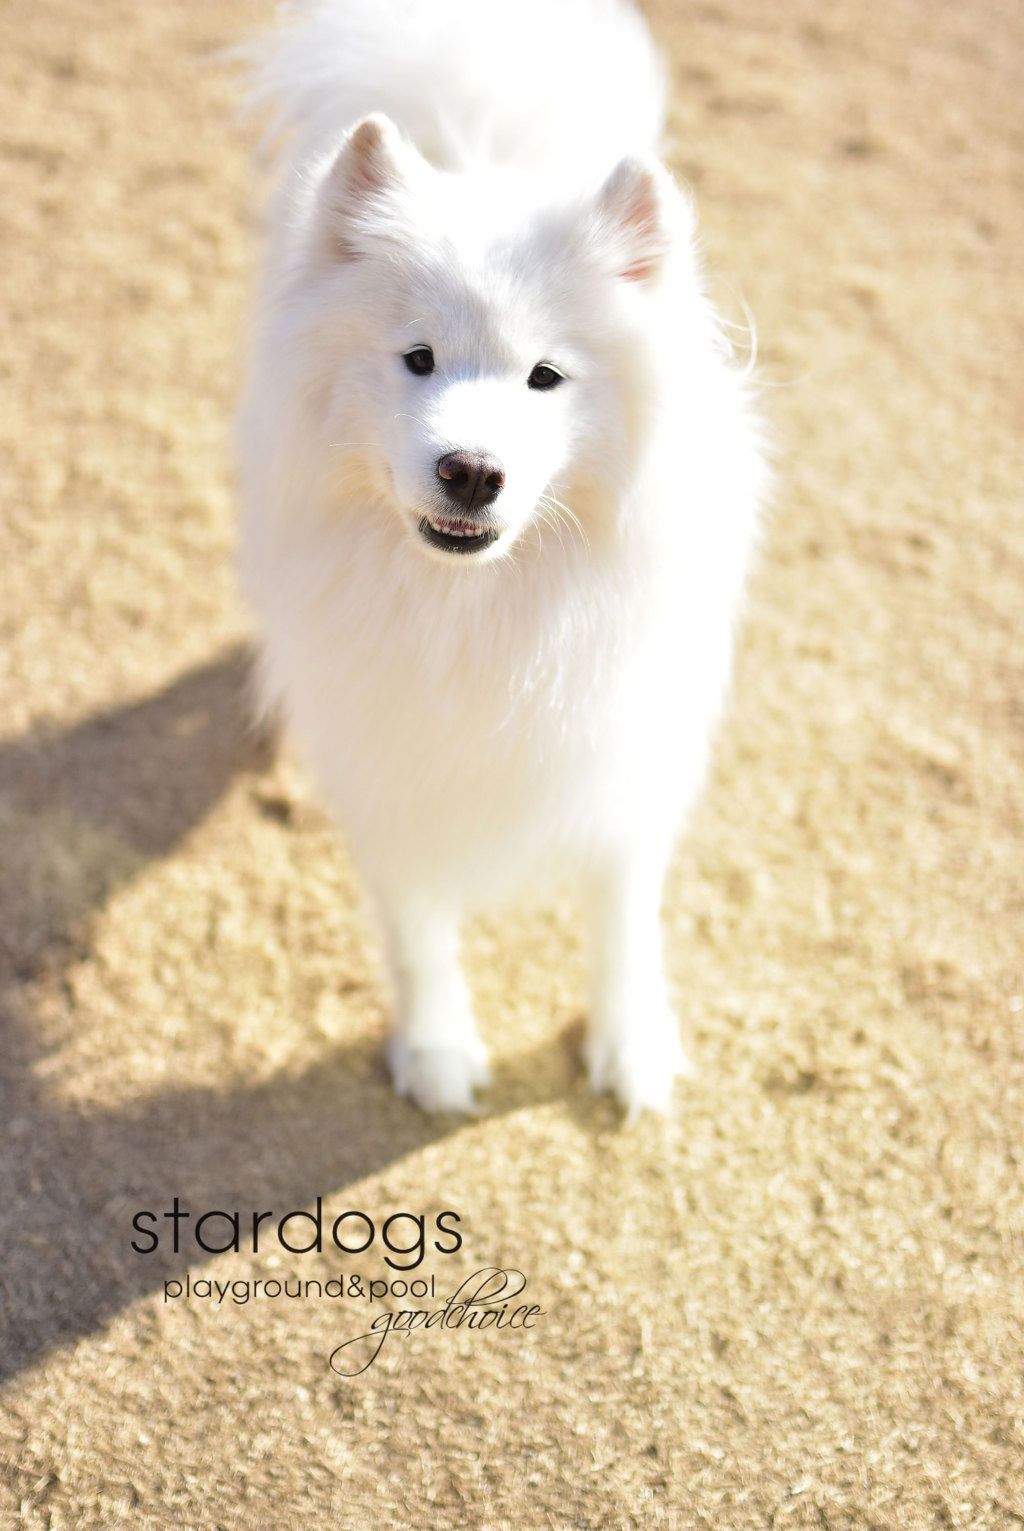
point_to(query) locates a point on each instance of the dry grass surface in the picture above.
(798, 1304)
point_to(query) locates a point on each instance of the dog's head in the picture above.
(478, 353)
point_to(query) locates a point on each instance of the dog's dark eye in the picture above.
(420, 361)
(544, 376)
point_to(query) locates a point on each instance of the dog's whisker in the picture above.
(550, 517)
(548, 520)
(567, 511)
(567, 516)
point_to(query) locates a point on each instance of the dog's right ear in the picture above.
(373, 162)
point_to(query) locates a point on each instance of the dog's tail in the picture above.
(529, 82)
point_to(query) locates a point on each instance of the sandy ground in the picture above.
(800, 1303)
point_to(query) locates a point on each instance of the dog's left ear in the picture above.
(638, 210)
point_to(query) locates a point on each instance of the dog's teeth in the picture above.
(455, 528)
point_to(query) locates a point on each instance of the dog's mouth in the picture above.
(454, 536)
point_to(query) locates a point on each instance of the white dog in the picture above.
(500, 487)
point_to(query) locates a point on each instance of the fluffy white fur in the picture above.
(481, 178)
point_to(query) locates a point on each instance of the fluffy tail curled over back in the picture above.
(534, 82)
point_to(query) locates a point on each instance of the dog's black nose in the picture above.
(471, 478)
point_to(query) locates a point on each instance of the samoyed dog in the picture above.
(501, 480)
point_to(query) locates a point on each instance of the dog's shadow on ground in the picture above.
(80, 811)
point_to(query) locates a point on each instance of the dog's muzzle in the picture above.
(471, 481)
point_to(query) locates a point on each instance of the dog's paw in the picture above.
(439, 1078)
(639, 1070)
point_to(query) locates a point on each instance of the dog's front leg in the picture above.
(632, 1046)
(435, 1054)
